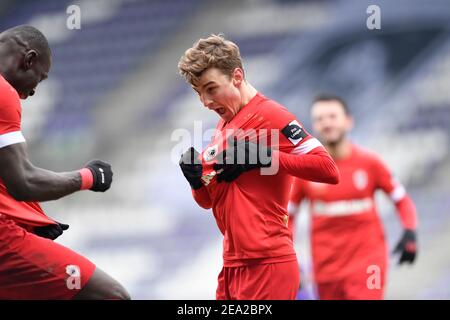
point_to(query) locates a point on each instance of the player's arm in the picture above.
(315, 165)
(26, 182)
(298, 153)
(295, 199)
(192, 170)
(310, 161)
(301, 154)
(406, 210)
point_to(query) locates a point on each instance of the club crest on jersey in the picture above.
(210, 153)
(360, 179)
(294, 132)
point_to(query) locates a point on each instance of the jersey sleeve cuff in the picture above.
(10, 138)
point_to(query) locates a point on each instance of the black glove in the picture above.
(192, 168)
(51, 231)
(241, 156)
(407, 247)
(102, 175)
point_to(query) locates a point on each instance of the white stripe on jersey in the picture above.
(306, 146)
(292, 208)
(342, 207)
(11, 138)
(398, 193)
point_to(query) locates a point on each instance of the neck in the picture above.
(248, 92)
(339, 150)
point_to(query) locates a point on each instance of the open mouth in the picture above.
(220, 111)
(25, 94)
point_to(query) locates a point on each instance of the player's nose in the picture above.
(208, 103)
(205, 101)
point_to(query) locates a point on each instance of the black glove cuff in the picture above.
(196, 184)
(410, 235)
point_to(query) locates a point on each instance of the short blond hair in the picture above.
(212, 52)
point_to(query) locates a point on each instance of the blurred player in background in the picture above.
(32, 266)
(348, 245)
(250, 207)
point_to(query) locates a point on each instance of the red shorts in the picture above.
(353, 287)
(272, 281)
(32, 267)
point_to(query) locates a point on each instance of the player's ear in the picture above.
(238, 76)
(30, 59)
(350, 122)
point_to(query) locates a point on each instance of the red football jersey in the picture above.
(29, 213)
(347, 235)
(251, 211)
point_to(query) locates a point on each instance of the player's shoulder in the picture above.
(8, 95)
(367, 155)
(270, 107)
(275, 113)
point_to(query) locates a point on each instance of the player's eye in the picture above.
(211, 90)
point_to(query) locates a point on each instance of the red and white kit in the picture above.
(347, 238)
(251, 212)
(31, 267)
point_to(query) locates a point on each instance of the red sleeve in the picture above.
(10, 116)
(297, 152)
(395, 190)
(316, 165)
(407, 212)
(201, 196)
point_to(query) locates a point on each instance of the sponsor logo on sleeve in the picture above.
(294, 132)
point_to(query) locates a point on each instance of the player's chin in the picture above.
(221, 112)
(226, 117)
(26, 93)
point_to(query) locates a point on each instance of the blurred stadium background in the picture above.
(114, 93)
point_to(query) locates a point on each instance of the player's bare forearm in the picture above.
(315, 166)
(26, 182)
(44, 185)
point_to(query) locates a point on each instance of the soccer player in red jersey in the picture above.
(32, 266)
(349, 251)
(246, 172)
